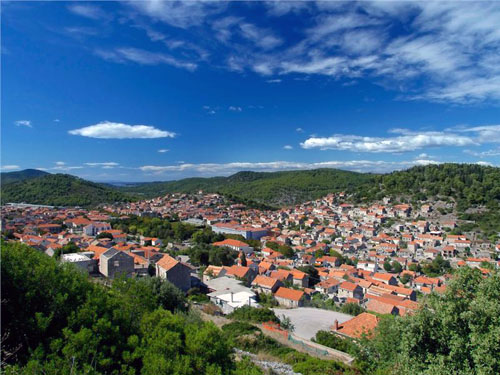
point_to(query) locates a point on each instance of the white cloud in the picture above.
(484, 163)
(274, 80)
(235, 108)
(106, 165)
(60, 163)
(299, 130)
(408, 141)
(263, 38)
(26, 123)
(9, 167)
(114, 130)
(287, 147)
(229, 168)
(88, 11)
(182, 14)
(484, 154)
(163, 150)
(143, 57)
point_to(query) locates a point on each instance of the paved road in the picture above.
(308, 320)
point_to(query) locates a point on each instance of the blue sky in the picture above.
(157, 90)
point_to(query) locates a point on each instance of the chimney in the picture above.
(336, 325)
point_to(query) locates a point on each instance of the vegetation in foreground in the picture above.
(55, 319)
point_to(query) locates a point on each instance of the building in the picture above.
(290, 297)
(174, 271)
(248, 232)
(235, 245)
(266, 284)
(114, 262)
(350, 290)
(360, 325)
(229, 294)
(83, 262)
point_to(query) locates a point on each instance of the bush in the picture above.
(254, 314)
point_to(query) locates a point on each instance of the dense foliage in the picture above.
(456, 333)
(204, 255)
(468, 184)
(275, 188)
(155, 227)
(61, 190)
(334, 341)
(56, 320)
(10, 177)
(253, 314)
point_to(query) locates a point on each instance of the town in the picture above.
(325, 254)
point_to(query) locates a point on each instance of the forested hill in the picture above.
(61, 190)
(10, 177)
(467, 184)
(274, 188)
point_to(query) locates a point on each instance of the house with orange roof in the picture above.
(381, 307)
(241, 272)
(266, 284)
(176, 272)
(385, 278)
(290, 297)
(212, 272)
(350, 290)
(300, 278)
(362, 325)
(235, 245)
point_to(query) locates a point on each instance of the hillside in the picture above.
(61, 190)
(467, 184)
(274, 188)
(27, 174)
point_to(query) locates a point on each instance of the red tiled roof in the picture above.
(291, 294)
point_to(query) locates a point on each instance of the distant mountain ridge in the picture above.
(467, 184)
(10, 177)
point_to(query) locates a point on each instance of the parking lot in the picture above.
(307, 321)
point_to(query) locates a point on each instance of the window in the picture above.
(116, 263)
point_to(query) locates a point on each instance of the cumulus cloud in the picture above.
(288, 147)
(26, 123)
(233, 108)
(378, 166)
(114, 130)
(408, 141)
(163, 150)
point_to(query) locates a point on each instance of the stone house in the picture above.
(114, 262)
(174, 271)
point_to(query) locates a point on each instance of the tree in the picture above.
(243, 259)
(352, 309)
(104, 235)
(387, 266)
(396, 266)
(453, 333)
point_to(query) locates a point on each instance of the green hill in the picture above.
(27, 174)
(61, 190)
(467, 184)
(274, 188)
